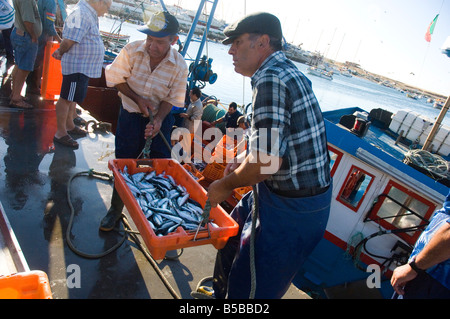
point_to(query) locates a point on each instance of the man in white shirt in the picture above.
(150, 76)
(194, 110)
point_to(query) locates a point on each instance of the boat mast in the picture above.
(441, 116)
(436, 125)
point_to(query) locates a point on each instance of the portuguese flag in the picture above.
(431, 29)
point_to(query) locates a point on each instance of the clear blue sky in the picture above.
(384, 36)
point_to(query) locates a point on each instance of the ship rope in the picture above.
(437, 166)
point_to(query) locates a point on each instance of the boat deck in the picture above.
(34, 178)
(375, 136)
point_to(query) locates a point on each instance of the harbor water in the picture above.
(341, 92)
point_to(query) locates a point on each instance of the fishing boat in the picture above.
(12, 259)
(322, 73)
(438, 105)
(122, 38)
(379, 207)
(17, 281)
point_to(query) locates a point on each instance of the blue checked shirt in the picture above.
(86, 55)
(441, 271)
(286, 110)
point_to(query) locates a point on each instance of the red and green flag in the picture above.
(431, 29)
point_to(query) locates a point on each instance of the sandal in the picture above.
(20, 104)
(78, 131)
(66, 141)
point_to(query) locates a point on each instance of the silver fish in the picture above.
(166, 204)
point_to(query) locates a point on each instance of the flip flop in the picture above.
(78, 131)
(24, 98)
(20, 104)
(66, 140)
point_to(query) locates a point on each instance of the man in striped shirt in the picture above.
(287, 162)
(81, 53)
(150, 76)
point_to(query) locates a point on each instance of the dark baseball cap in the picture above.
(160, 25)
(260, 23)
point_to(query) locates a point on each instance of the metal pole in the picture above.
(192, 29)
(205, 34)
(436, 125)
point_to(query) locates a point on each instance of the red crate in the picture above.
(158, 246)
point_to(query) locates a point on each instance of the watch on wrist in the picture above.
(413, 265)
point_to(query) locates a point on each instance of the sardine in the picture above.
(165, 204)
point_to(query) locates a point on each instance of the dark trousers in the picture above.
(130, 140)
(425, 287)
(7, 44)
(287, 231)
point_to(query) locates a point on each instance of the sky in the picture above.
(386, 37)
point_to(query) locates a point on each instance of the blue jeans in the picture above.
(130, 140)
(25, 51)
(287, 231)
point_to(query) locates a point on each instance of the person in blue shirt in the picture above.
(427, 273)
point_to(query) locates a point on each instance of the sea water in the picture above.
(341, 92)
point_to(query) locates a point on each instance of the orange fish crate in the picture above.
(159, 245)
(213, 171)
(241, 191)
(25, 285)
(237, 195)
(226, 149)
(195, 172)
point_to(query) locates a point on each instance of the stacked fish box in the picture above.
(166, 205)
(416, 128)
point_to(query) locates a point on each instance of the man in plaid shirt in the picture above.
(81, 53)
(287, 163)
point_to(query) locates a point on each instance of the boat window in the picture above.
(335, 158)
(400, 208)
(355, 188)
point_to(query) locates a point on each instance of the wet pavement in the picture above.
(34, 178)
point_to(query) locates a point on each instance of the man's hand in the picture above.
(230, 168)
(153, 128)
(145, 106)
(57, 54)
(218, 192)
(401, 276)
